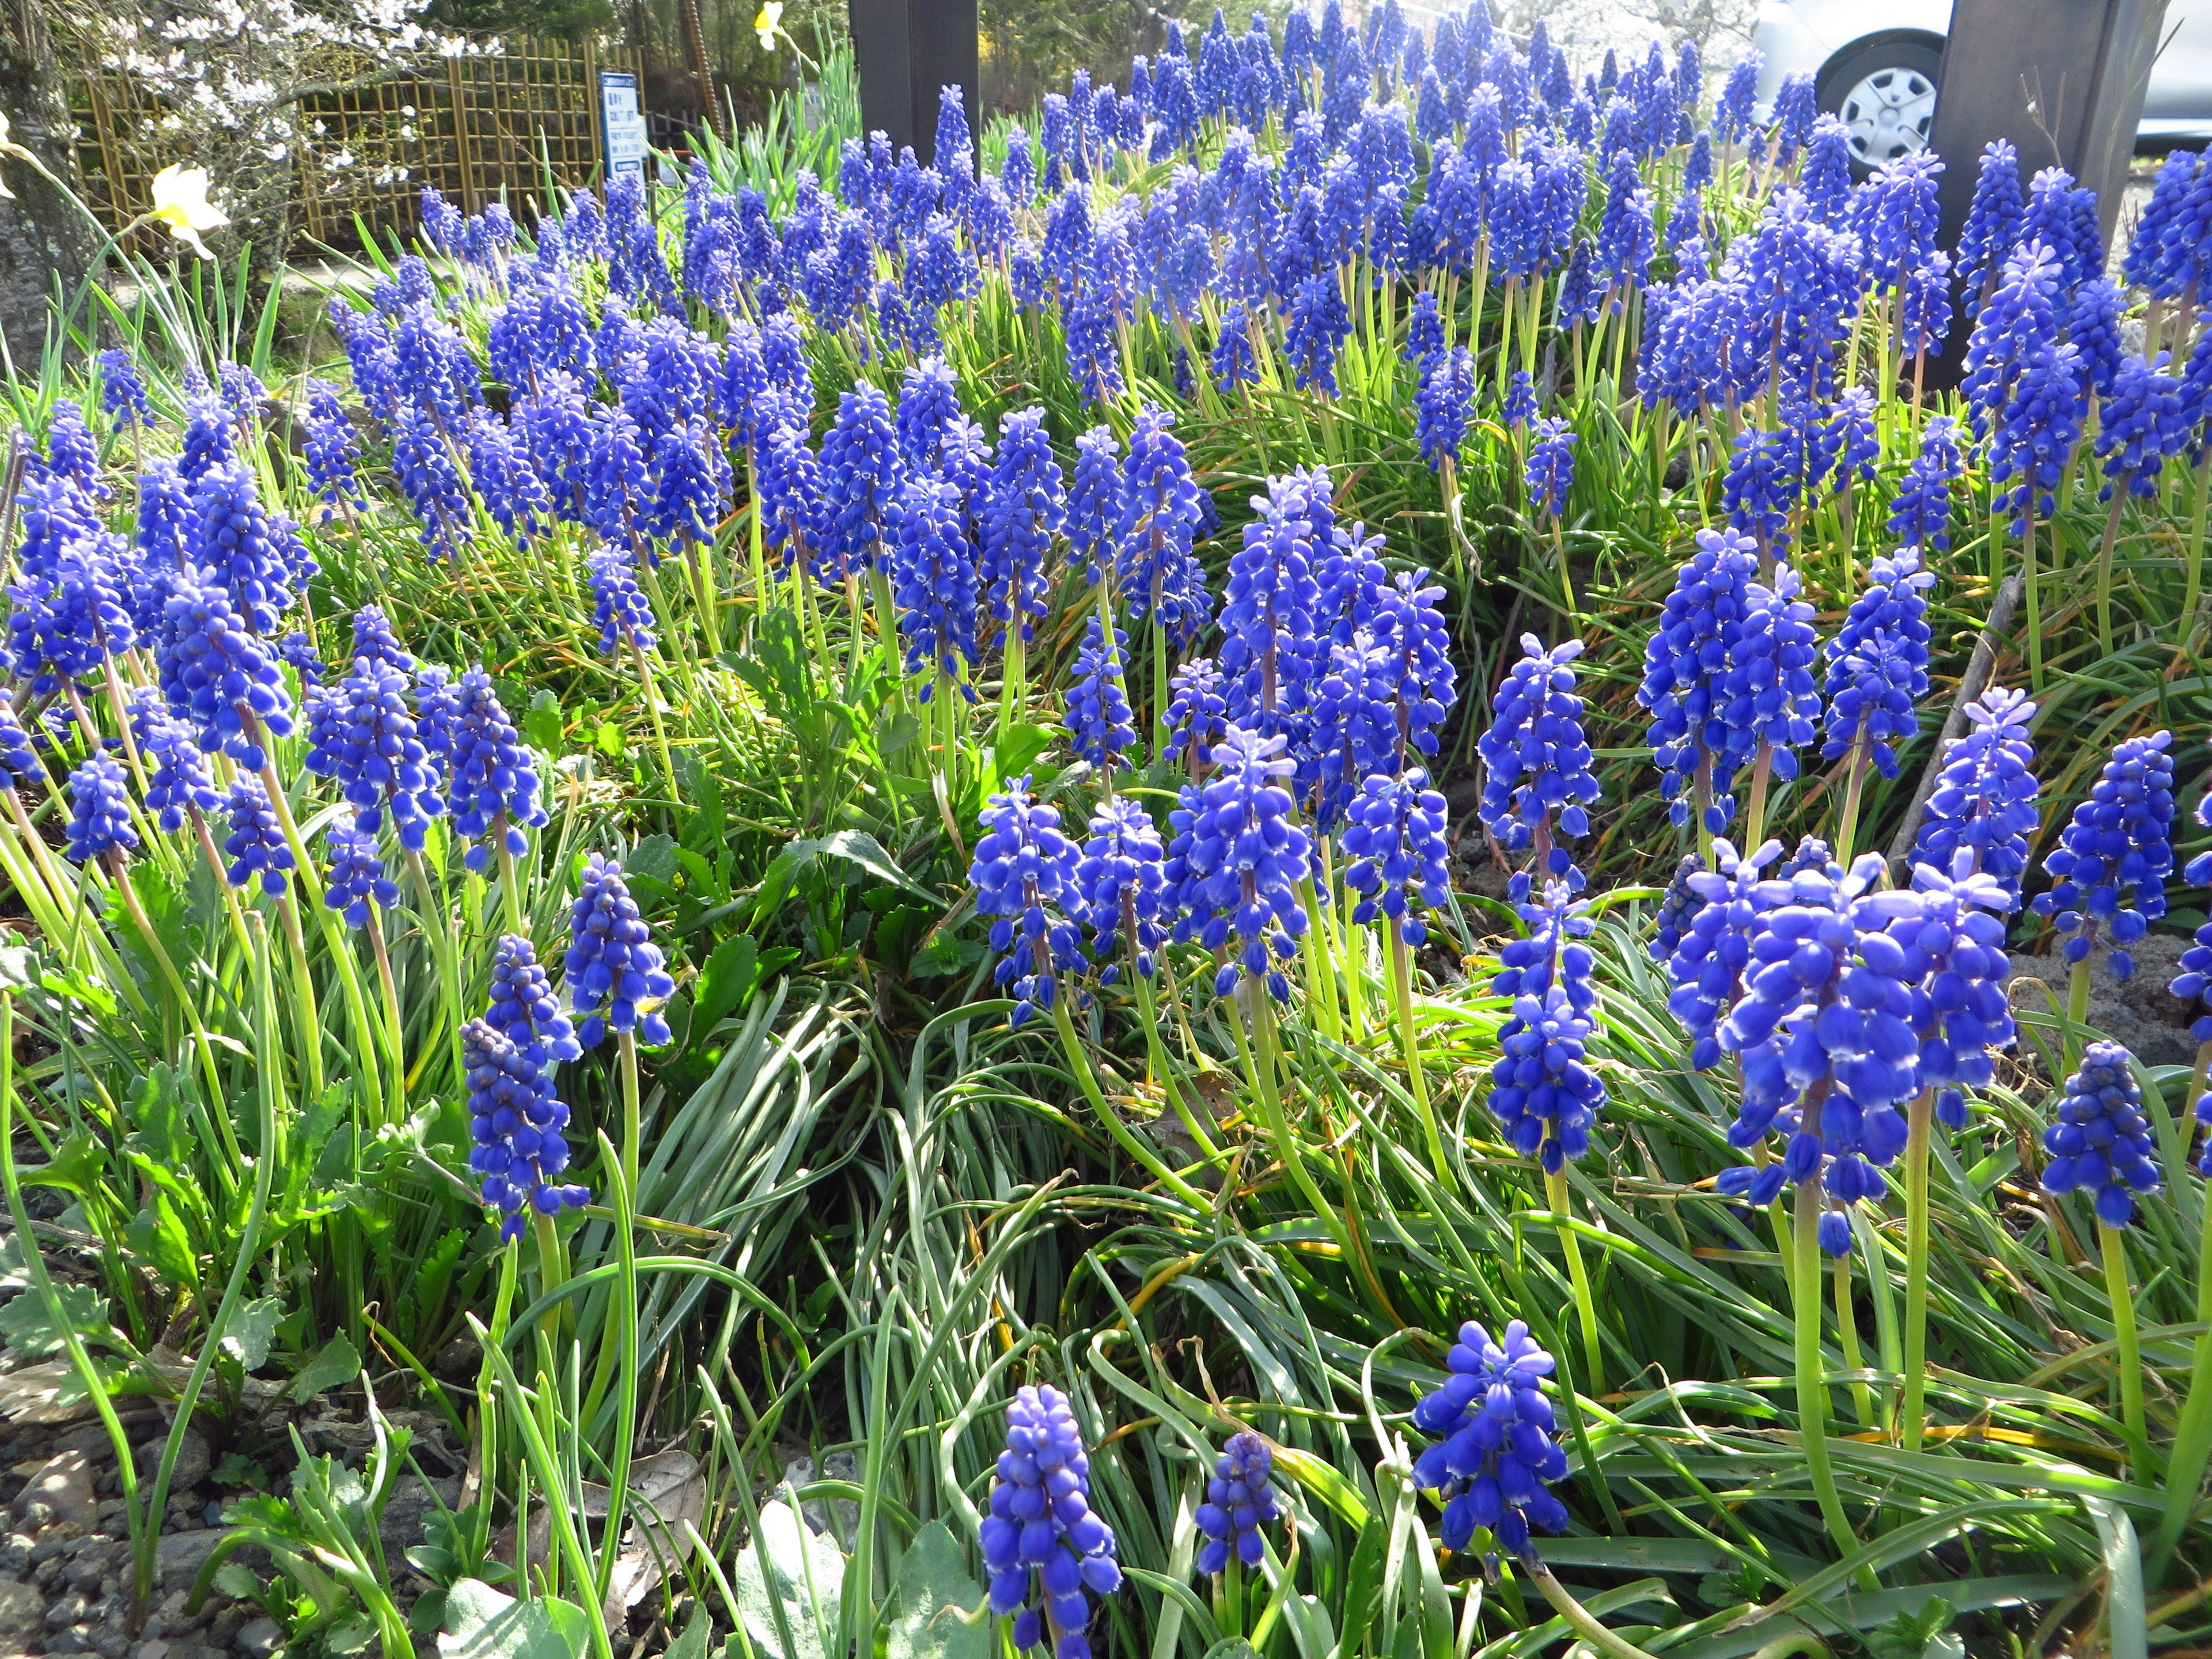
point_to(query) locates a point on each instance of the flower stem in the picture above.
(1402, 989)
(1079, 1063)
(2192, 1439)
(2130, 1356)
(1812, 1391)
(1555, 1189)
(1912, 1413)
(626, 1055)
(1847, 1334)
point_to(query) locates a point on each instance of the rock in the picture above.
(154, 1649)
(258, 1639)
(2138, 1012)
(69, 1610)
(179, 1555)
(404, 1512)
(21, 1608)
(192, 1461)
(60, 1491)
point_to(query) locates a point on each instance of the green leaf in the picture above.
(946, 954)
(482, 1624)
(692, 1642)
(156, 1236)
(541, 722)
(853, 846)
(237, 1581)
(654, 859)
(15, 1272)
(1017, 745)
(74, 1167)
(788, 1584)
(27, 1320)
(1912, 1635)
(725, 981)
(932, 1594)
(335, 1362)
(253, 1327)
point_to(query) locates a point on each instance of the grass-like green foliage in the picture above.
(865, 1211)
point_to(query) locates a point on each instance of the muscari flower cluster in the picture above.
(1046, 1550)
(1496, 1449)
(1240, 1505)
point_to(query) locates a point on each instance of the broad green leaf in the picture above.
(253, 1327)
(156, 1236)
(541, 723)
(932, 1592)
(482, 1624)
(335, 1362)
(27, 1320)
(15, 1272)
(788, 1581)
(1020, 743)
(853, 846)
(691, 1643)
(74, 1167)
(653, 859)
(725, 981)
(1912, 1635)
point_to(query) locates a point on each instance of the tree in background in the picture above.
(46, 243)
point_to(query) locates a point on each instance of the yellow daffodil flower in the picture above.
(769, 24)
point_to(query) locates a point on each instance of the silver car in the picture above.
(1875, 63)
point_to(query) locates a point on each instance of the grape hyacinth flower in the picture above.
(522, 1009)
(1537, 781)
(2102, 1142)
(1920, 516)
(179, 784)
(99, 811)
(356, 879)
(365, 736)
(1239, 1503)
(1684, 674)
(2113, 858)
(1198, 714)
(256, 845)
(1550, 474)
(620, 609)
(1984, 798)
(1243, 856)
(1396, 840)
(123, 389)
(1024, 876)
(1042, 1544)
(935, 582)
(1100, 725)
(1118, 884)
(612, 965)
(491, 779)
(213, 670)
(1497, 1452)
(1441, 403)
(1542, 1094)
(517, 1123)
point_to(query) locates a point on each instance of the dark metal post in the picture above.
(906, 50)
(2062, 81)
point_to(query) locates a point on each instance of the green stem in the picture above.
(34, 1263)
(1555, 1189)
(1156, 1055)
(1321, 970)
(1584, 1621)
(268, 1092)
(1912, 1413)
(1079, 1063)
(1261, 1059)
(646, 689)
(1855, 782)
(2192, 1439)
(2077, 1010)
(626, 1055)
(2129, 1355)
(1847, 1334)
(1402, 990)
(1812, 1391)
(1232, 1599)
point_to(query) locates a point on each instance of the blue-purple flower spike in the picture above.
(1042, 1545)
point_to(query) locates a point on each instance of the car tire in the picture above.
(1884, 88)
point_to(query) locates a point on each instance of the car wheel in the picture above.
(1884, 90)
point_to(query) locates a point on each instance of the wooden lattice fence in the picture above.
(481, 128)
